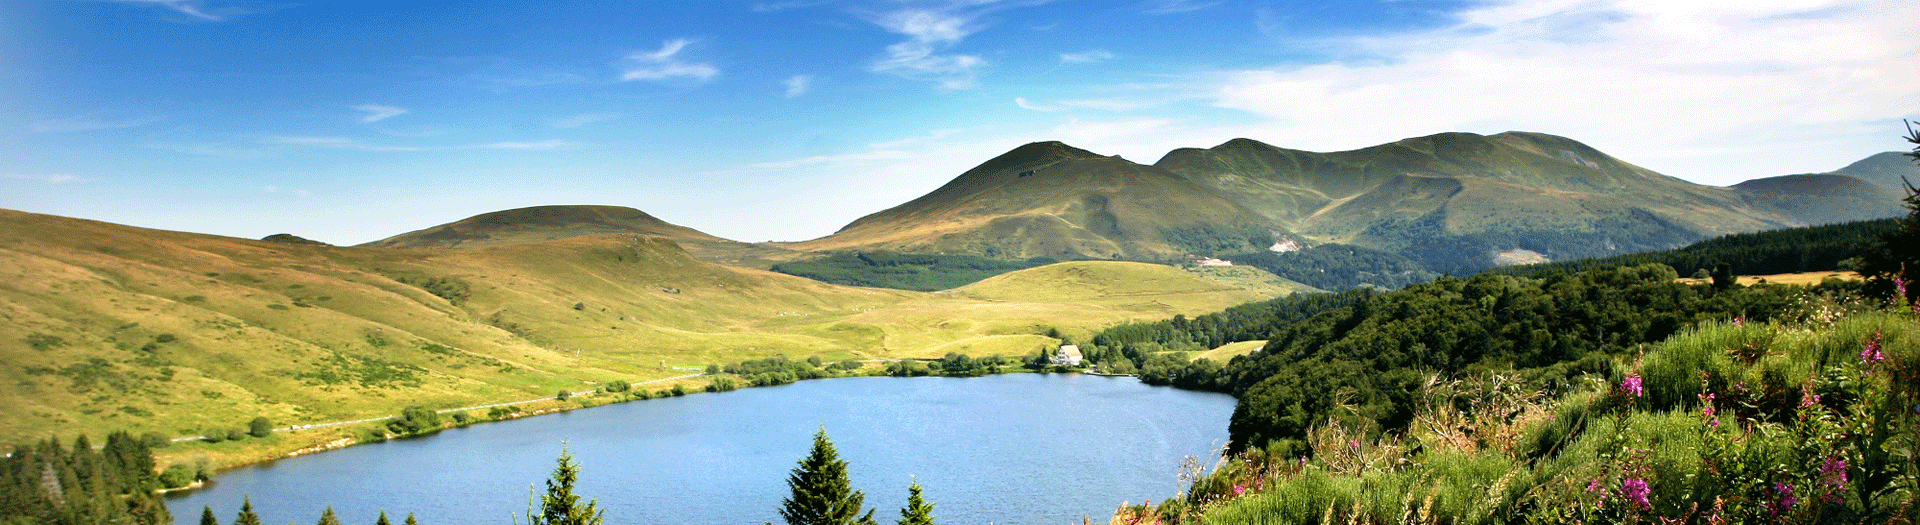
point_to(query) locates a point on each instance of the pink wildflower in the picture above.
(1809, 400)
(1787, 501)
(1632, 385)
(1239, 490)
(1833, 474)
(1740, 320)
(1872, 353)
(1593, 485)
(1353, 444)
(1636, 491)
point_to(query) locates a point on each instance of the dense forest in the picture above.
(1792, 250)
(1339, 267)
(918, 272)
(46, 483)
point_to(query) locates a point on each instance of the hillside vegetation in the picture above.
(114, 327)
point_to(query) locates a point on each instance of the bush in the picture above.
(177, 475)
(260, 427)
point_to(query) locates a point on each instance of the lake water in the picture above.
(1005, 449)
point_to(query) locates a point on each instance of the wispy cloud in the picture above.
(1103, 104)
(582, 120)
(376, 113)
(77, 124)
(665, 64)
(1087, 57)
(49, 178)
(930, 31)
(210, 149)
(1170, 7)
(202, 10)
(798, 85)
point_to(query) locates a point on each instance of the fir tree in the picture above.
(328, 518)
(560, 506)
(822, 494)
(383, 519)
(917, 511)
(1898, 255)
(410, 520)
(246, 517)
(206, 517)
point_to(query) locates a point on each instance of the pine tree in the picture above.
(206, 517)
(822, 495)
(410, 520)
(917, 511)
(383, 519)
(560, 506)
(246, 517)
(1898, 255)
(328, 518)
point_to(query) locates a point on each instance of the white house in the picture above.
(1069, 355)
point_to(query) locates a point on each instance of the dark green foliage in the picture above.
(721, 384)
(383, 519)
(821, 492)
(560, 506)
(260, 427)
(44, 341)
(49, 483)
(247, 516)
(1211, 239)
(1898, 252)
(289, 238)
(1134, 342)
(924, 273)
(414, 420)
(410, 520)
(616, 386)
(206, 516)
(452, 289)
(328, 518)
(776, 370)
(1373, 352)
(562, 395)
(1338, 267)
(908, 369)
(1792, 250)
(918, 511)
(215, 435)
(177, 475)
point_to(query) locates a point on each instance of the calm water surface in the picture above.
(1007, 449)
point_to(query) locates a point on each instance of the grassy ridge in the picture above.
(114, 327)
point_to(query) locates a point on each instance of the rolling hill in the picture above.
(539, 224)
(1456, 201)
(117, 327)
(1048, 199)
(1885, 169)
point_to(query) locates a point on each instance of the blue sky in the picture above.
(348, 122)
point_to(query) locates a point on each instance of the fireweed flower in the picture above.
(1239, 490)
(1809, 400)
(1636, 491)
(1872, 353)
(1787, 501)
(1707, 410)
(1833, 474)
(1632, 385)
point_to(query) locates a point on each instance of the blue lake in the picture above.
(1004, 449)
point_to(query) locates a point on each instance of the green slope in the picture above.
(547, 223)
(1885, 169)
(1049, 199)
(115, 327)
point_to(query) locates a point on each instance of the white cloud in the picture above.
(1722, 92)
(929, 31)
(1087, 57)
(582, 120)
(336, 143)
(191, 8)
(49, 178)
(376, 113)
(798, 85)
(665, 64)
(1102, 104)
(77, 124)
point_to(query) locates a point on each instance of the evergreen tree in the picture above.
(383, 519)
(410, 520)
(1899, 252)
(560, 506)
(328, 518)
(917, 511)
(206, 517)
(246, 517)
(822, 495)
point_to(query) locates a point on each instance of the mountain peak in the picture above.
(539, 224)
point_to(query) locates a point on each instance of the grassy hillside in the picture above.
(115, 327)
(1885, 169)
(1457, 201)
(1052, 200)
(540, 224)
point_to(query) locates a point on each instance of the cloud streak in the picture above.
(49, 178)
(929, 32)
(79, 124)
(798, 85)
(666, 64)
(376, 113)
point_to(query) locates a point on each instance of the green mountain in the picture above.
(1458, 202)
(1885, 169)
(548, 223)
(1816, 199)
(1049, 199)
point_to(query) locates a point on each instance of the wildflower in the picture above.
(1809, 400)
(1593, 485)
(1833, 474)
(1353, 444)
(1740, 320)
(1787, 501)
(1636, 491)
(1239, 490)
(1872, 353)
(1632, 385)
